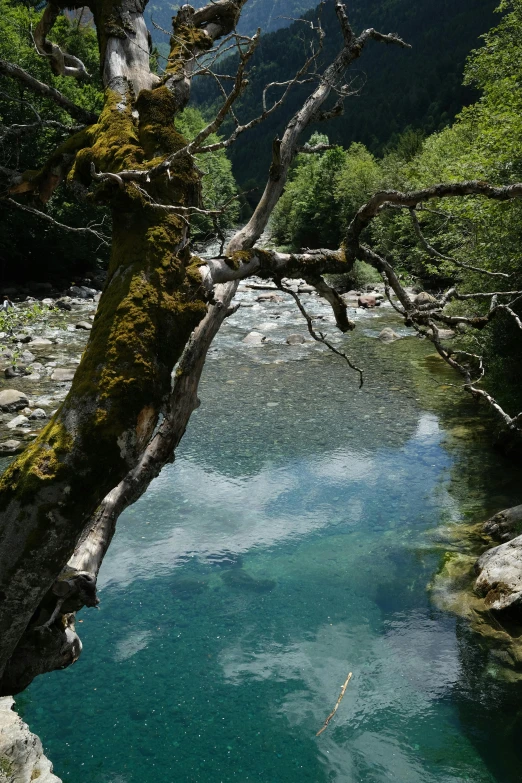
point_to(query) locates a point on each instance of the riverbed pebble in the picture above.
(12, 400)
(60, 374)
(18, 421)
(10, 447)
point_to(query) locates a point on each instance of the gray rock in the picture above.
(18, 421)
(48, 301)
(40, 341)
(38, 413)
(388, 335)
(500, 575)
(12, 400)
(62, 304)
(424, 298)
(254, 338)
(446, 334)
(268, 297)
(295, 339)
(84, 325)
(22, 758)
(62, 375)
(27, 357)
(504, 525)
(306, 289)
(10, 447)
(82, 292)
(22, 338)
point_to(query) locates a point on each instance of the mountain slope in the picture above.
(269, 15)
(421, 88)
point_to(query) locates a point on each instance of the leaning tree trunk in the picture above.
(152, 301)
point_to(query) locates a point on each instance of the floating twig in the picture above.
(339, 700)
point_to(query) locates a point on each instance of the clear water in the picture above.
(292, 542)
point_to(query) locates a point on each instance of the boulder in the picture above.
(368, 301)
(12, 400)
(61, 304)
(22, 338)
(306, 289)
(424, 298)
(22, 758)
(84, 325)
(388, 335)
(82, 292)
(504, 525)
(268, 297)
(40, 341)
(62, 375)
(27, 357)
(500, 576)
(254, 338)
(14, 372)
(10, 447)
(295, 339)
(18, 421)
(38, 413)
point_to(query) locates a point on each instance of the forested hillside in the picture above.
(269, 15)
(421, 88)
(458, 239)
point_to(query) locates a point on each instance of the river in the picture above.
(294, 540)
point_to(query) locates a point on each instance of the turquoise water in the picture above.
(292, 542)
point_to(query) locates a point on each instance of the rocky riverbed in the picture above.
(40, 347)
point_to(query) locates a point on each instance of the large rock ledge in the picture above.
(22, 758)
(499, 578)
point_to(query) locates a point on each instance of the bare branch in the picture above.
(92, 230)
(319, 336)
(62, 63)
(38, 87)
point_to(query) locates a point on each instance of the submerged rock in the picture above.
(388, 335)
(22, 758)
(38, 413)
(241, 579)
(40, 341)
(12, 400)
(295, 339)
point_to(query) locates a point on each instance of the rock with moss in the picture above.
(22, 759)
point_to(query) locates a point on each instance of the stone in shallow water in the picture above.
(10, 447)
(295, 339)
(62, 375)
(254, 338)
(84, 325)
(40, 341)
(241, 579)
(388, 335)
(38, 413)
(12, 400)
(18, 421)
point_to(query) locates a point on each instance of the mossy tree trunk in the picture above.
(151, 303)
